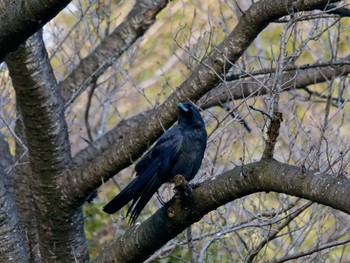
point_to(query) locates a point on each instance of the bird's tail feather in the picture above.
(121, 199)
(146, 194)
(140, 190)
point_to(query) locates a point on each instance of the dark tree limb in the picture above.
(140, 18)
(142, 240)
(41, 108)
(12, 247)
(88, 176)
(23, 194)
(21, 19)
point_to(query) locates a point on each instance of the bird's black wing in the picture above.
(167, 148)
(152, 171)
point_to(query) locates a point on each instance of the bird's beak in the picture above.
(183, 107)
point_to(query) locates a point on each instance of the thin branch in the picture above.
(87, 110)
(275, 124)
(189, 240)
(274, 232)
(139, 19)
(313, 250)
(262, 112)
(266, 71)
(319, 95)
(253, 86)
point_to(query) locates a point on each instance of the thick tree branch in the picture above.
(41, 108)
(12, 247)
(20, 19)
(80, 181)
(139, 242)
(23, 194)
(140, 18)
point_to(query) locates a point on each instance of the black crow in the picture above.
(179, 151)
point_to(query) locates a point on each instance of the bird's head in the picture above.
(189, 115)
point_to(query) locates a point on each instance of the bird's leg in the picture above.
(161, 201)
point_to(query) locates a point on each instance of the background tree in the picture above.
(83, 98)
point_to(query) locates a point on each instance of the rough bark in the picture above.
(20, 19)
(12, 247)
(88, 176)
(139, 242)
(139, 19)
(60, 226)
(23, 195)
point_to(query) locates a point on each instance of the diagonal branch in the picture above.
(139, 242)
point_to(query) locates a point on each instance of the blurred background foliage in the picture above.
(312, 134)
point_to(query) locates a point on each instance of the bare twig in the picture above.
(313, 250)
(87, 110)
(273, 232)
